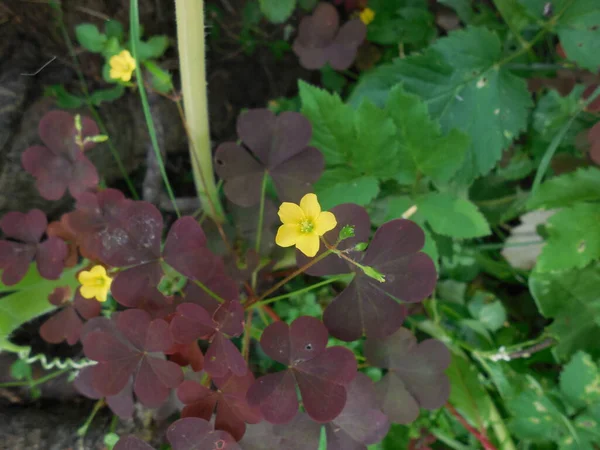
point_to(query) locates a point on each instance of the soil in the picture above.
(29, 38)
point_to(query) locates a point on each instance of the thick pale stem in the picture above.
(190, 37)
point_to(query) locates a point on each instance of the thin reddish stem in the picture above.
(480, 436)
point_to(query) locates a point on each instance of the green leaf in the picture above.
(107, 95)
(573, 238)
(464, 87)
(64, 99)
(20, 370)
(422, 146)
(114, 29)
(406, 21)
(332, 80)
(579, 31)
(153, 48)
(307, 5)
(583, 185)
(161, 79)
(28, 300)
(571, 299)
(490, 311)
(341, 185)
(463, 8)
(90, 37)
(452, 216)
(362, 139)
(580, 380)
(277, 11)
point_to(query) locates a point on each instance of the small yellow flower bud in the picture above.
(122, 66)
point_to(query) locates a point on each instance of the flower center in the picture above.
(98, 282)
(306, 226)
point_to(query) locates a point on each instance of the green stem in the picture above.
(190, 36)
(84, 428)
(261, 212)
(92, 109)
(545, 163)
(500, 245)
(36, 382)
(206, 289)
(301, 291)
(450, 442)
(134, 31)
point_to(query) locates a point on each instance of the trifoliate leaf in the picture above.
(107, 95)
(490, 311)
(571, 299)
(573, 238)
(580, 380)
(464, 86)
(452, 216)
(422, 146)
(90, 37)
(277, 11)
(152, 48)
(579, 186)
(340, 185)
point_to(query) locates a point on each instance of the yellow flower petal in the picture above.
(290, 213)
(86, 277)
(101, 295)
(88, 291)
(310, 206)
(287, 235)
(308, 244)
(324, 223)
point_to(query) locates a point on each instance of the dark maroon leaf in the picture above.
(121, 404)
(321, 374)
(197, 434)
(320, 39)
(370, 307)
(132, 443)
(415, 375)
(61, 230)
(132, 347)
(229, 399)
(188, 355)
(223, 357)
(345, 214)
(15, 256)
(278, 145)
(61, 164)
(246, 223)
(301, 433)
(361, 422)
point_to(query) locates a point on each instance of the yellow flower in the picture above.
(303, 225)
(367, 15)
(121, 66)
(95, 283)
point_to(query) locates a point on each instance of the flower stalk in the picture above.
(190, 37)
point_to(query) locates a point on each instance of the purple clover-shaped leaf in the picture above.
(121, 404)
(321, 373)
(26, 230)
(198, 434)
(320, 39)
(192, 322)
(277, 145)
(67, 323)
(302, 433)
(415, 375)
(132, 443)
(132, 346)
(361, 422)
(367, 306)
(61, 164)
(229, 399)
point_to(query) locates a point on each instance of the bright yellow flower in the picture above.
(95, 283)
(367, 15)
(304, 224)
(121, 66)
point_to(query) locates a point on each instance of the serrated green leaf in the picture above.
(452, 216)
(464, 87)
(579, 31)
(583, 185)
(406, 21)
(361, 139)
(573, 238)
(90, 37)
(571, 299)
(423, 148)
(341, 185)
(277, 11)
(153, 48)
(580, 380)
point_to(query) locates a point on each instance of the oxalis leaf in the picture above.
(27, 300)
(465, 86)
(277, 11)
(571, 299)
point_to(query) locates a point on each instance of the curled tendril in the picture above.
(67, 363)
